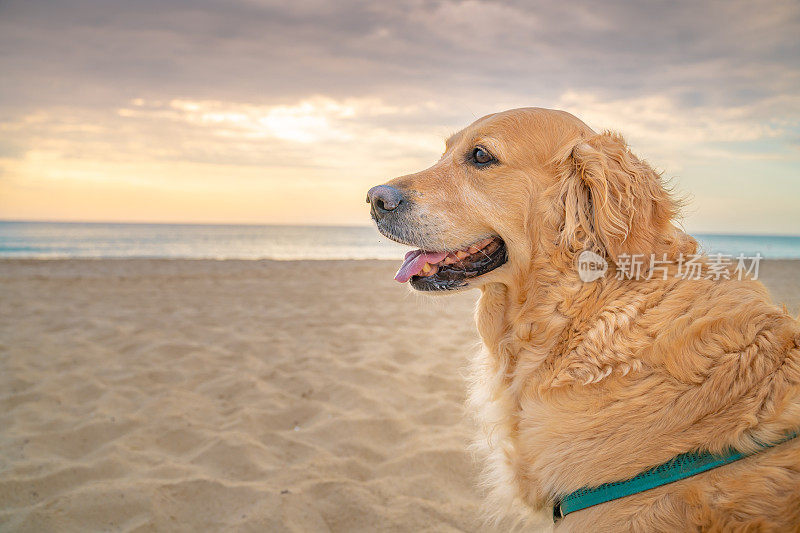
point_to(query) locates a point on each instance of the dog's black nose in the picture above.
(384, 199)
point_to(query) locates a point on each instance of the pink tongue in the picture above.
(414, 261)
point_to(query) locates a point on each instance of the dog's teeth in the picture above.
(450, 259)
(428, 270)
(461, 254)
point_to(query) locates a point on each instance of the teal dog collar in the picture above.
(677, 468)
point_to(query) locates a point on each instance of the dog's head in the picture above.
(522, 185)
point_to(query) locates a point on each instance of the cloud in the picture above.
(674, 136)
(266, 52)
(350, 93)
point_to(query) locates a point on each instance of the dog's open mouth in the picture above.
(436, 271)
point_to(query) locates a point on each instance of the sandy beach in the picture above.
(183, 395)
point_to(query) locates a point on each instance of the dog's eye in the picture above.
(481, 157)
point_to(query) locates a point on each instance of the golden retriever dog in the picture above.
(582, 383)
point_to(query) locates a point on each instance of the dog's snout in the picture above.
(384, 199)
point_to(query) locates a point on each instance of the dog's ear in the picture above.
(615, 203)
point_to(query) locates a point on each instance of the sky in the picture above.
(247, 111)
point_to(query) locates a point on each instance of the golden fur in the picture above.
(586, 383)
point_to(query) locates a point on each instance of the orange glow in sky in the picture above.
(246, 112)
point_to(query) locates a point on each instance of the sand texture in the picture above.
(149, 395)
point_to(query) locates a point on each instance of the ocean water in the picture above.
(101, 240)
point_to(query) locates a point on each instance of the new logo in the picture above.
(591, 266)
